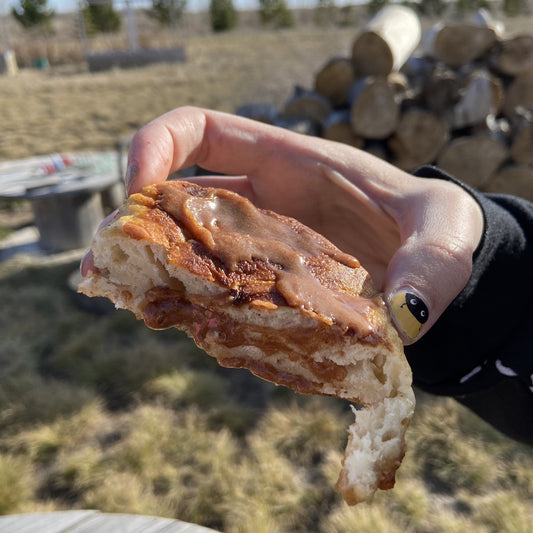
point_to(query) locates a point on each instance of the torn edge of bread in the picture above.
(130, 266)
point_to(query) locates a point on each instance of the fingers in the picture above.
(216, 141)
(434, 262)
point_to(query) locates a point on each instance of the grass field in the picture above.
(97, 411)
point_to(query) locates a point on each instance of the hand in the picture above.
(414, 235)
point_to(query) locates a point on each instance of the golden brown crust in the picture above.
(261, 291)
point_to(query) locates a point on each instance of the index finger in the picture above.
(215, 141)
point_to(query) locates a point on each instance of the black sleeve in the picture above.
(480, 350)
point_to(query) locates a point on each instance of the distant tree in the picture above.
(222, 14)
(431, 7)
(275, 13)
(33, 14)
(514, 7)
(325, 12)
(167, 12)
(100, 16)
(467, 6)
(375, 5)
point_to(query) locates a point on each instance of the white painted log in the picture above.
(386, 41)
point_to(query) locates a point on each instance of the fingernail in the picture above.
(409, 312)
(87, 263)
(108, 219)
(131, 174)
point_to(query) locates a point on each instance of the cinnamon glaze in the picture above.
(257, 254)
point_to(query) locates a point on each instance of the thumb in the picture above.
(434, 263)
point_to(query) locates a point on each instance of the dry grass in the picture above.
(97, 411)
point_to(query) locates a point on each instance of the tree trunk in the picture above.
(418, 139)
(386, 42)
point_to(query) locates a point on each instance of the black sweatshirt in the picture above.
(481, 349)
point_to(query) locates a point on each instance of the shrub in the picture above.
(222, 14)
(34, 13)
(167, 12)
(101, 18)
(275, 13)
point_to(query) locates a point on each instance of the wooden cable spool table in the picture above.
(69, 194)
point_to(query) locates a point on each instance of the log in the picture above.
(419, 138)
(482, 96)
(335, 79)
(513, 56)
(262, 112)
(441, 90)
(513, 179)
(418, 69)
(519, 94)
(457, 44)
(338, 128)
(375, 109)
(522, 141)
(309, 105)
(386, 41)
(473, 159)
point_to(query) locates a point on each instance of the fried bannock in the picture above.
(262, 291)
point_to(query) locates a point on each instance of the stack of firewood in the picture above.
(460, 96)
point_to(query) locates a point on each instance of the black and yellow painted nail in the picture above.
(410, 312)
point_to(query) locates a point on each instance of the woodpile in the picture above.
(460, 96)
